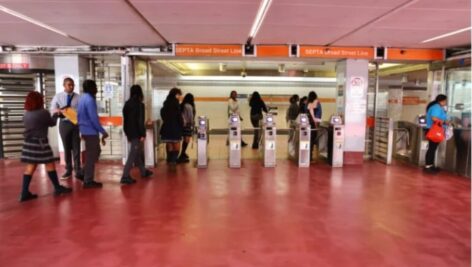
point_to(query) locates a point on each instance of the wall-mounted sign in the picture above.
(201, 50)
(336, 52)
(273, 51)
(8, 66)
(415, 54)
(108, 91)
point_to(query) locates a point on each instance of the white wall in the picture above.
(217, 111)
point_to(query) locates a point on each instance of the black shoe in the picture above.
(79, 176)
(27, 196)
(147, 174)
(429, 170)
(66, 175)
(62, 190)
(255, 147)
(92, 184)
(436, 169)
(127, 180)
(243, 144)
(183, 160)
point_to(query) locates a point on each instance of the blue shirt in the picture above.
(87, 116)
(435, 111)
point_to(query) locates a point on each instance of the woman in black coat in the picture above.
(172, 125)
(133, 126)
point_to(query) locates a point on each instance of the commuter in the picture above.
(257, 107)
(68, 130)
(292, 114)
(188, 115)
(313, 110)
(133, 126)
(233, 108)
(36, 149)
(172, 125)
(90, 129)
(435, 113)
(303, 105)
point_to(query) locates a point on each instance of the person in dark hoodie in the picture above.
(172, 125)
(133, 126)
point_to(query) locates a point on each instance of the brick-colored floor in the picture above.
(370, 215)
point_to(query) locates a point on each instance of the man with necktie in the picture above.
(68, 130)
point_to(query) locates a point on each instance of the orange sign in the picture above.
(111, 121)
(415, 54)
(273, 50)
(201, 50)
(336, 52)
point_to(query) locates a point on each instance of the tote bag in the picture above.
(436, 133)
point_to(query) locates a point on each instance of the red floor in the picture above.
(357, 216)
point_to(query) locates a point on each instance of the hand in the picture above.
(104, 136)
(57, 111)
(142, 139)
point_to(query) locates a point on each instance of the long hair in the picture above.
(136, 92)
(438, 99)
(90, 87)
(34, 101)
(302, 104)
(255, 98)
(231, 93)
(312, 96)
(171, 97)
(294, 99)
(189, 99)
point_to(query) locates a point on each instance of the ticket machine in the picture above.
(269, 140)
(202, 142)
(336, 141)
(302, 138)
(234, 138)
(421, 146)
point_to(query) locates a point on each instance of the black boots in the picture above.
(25, 193)
(58, 188)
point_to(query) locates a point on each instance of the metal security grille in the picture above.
(48, 88)
(13, 91)
(383, 139)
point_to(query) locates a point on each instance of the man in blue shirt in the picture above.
(90, 129)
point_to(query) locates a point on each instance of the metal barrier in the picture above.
(383, 140)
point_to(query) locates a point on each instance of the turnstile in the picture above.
(419, 151)
(301, 142)
(336, 142)
(269, 141)
(202, 142)
(234, 138)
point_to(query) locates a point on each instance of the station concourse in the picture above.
(272, 133)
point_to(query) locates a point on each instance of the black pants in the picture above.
(135, 156)
(431, 153)
(255, 123)
(92, 153)
(71, 141)
(313, 136)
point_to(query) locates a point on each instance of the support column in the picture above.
(352, 83)
(127, 79)
(74, 67)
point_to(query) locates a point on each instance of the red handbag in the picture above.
(436, 134)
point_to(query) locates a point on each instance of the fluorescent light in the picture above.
(31, 20)
(258, 79)
(261, 13)
(446, 35)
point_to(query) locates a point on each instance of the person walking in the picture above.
(291, 115)
(68, 130)
(36, 149)
(313, 113)
(90, 129)
(233, 109)
(435, 114)
(135, 131)
(172, 125)
(257, 107)
(188, 115)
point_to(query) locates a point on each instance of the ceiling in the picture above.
(396, 23)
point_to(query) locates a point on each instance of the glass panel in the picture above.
(459, 96)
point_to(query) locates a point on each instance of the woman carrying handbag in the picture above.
(436, 117)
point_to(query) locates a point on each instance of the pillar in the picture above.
(76, 68)
(351, 102)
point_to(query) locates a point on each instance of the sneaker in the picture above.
(127, 180)
(27, 196)
(429, 170)
(243, 144)
(66, 175)
(92, 184)
(62, 190)
(147, 174)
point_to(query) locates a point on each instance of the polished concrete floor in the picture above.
(370, 215)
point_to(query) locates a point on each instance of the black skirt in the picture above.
(37, 151)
